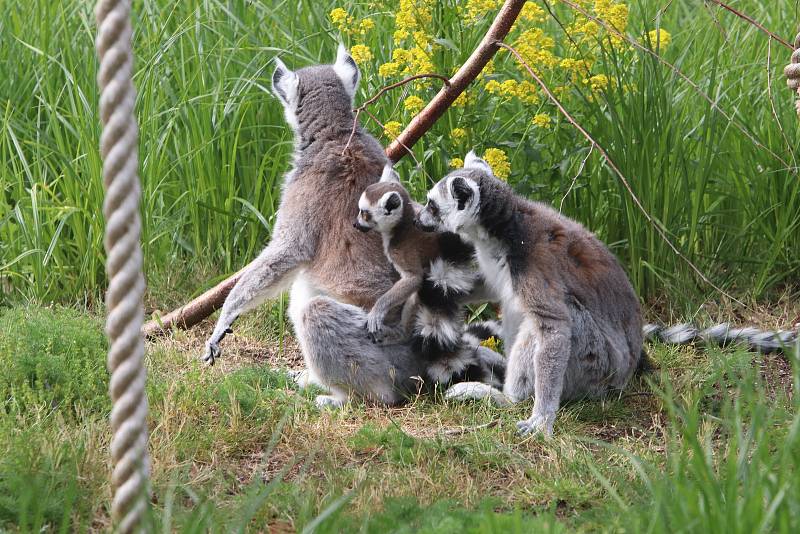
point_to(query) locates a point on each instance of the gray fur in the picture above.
(723, 334)
(314, 249)
(572, 320)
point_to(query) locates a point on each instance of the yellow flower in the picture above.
(388, 69)
(365, 26)
(598, 82)
(461, 101)
(660, 38)
(490, 343)
(414, 104)
(542, 120)
(458, 133)
(392, 129)
(338, 16)
(532, 13)
(455, 163)
(361, 53)
(475, 9)
(498, 161)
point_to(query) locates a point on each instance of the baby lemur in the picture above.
(574, 326)
(437, 274)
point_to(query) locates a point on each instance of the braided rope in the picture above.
(722, 334)
(118, 146)
(792, 71)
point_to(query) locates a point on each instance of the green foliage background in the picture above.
(214, 144)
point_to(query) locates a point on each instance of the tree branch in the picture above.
(201, 307)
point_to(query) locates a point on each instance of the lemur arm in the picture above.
(268, 275)
(400, 292)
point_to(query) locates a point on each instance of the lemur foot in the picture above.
(537, 424)
(212, 347)
(211, 354)
(464, 391)
(329, 401)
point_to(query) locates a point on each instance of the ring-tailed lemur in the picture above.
(334, 270)
(437, 276)
(578, 322)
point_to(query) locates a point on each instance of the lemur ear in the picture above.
(391, 201)
(347, 70)
(389, 174)
(285, 84)
(461, 191)
(471, 161)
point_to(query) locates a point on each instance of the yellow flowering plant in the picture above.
(403, 38)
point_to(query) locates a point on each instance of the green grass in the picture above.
(709, 442)
(214, 144)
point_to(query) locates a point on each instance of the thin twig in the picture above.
(383, 128)
(572, 184)
(376, 96)
(609, 28)
(754, 22)
(619, 174)
(716, 21)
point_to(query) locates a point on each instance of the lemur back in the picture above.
(437, 274)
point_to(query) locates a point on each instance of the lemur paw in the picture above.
(374, 328)
(537, 424)
(329, 401)
(212, 353)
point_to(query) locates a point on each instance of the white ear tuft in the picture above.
(285, 84)
(347, 70)
(471, 161)
(389, 174)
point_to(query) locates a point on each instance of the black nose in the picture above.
(359, 227)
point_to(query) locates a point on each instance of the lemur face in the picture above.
(454, 202)
(380, 207)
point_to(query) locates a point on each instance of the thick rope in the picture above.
(792, 71)
(723, 335)
(118, 146)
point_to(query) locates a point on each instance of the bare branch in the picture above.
(616, 170)
(754, 22)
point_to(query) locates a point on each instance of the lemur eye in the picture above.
(365, 215)
(433, 207)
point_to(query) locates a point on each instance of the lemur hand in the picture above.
(212, 347)
(375, 326)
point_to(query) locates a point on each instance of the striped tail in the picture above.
(722, 334)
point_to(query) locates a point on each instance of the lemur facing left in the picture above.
(437, 277)
(573, 322)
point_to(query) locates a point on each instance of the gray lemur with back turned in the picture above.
(437, 277)
(333, 270)
(572, 322)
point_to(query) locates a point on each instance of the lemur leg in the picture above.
(340, 354)
(537, 365)
(268, 275)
